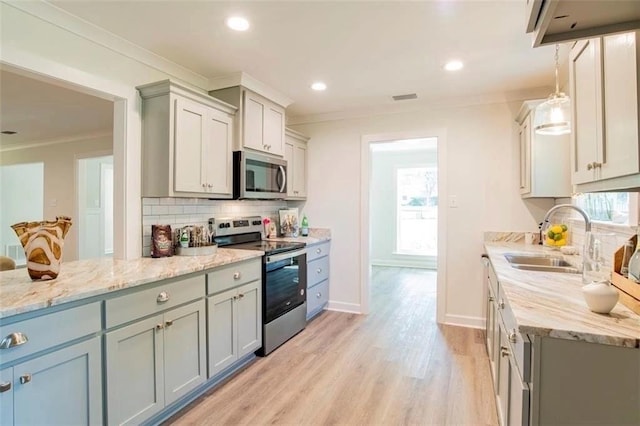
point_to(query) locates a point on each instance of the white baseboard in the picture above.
(404, 263)
(464, 321)
(352, 308)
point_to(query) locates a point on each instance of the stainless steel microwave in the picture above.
(258, 176)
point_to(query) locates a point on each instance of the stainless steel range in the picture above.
(284, 277)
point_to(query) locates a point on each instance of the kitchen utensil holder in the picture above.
(628, 289)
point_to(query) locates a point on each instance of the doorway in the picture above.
(95, 206)
(402, 221)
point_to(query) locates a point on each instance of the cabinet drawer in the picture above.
(317, 296)
(50, 330)
(519, 344)
(157, 299)
(317, 270)
(233, 275)
(318, 251)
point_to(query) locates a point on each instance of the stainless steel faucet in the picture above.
(587, 220)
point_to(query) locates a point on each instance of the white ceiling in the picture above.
(365, 51)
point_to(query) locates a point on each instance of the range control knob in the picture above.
(256, 222)
(227, 225)
(221, 226)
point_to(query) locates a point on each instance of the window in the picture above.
(613, 207)
(417, 211)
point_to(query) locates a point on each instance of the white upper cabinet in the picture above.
(186, 143)
(296, 155)
(260, 123)
(604, 91)
(544, 159)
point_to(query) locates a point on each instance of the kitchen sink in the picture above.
(540, 263)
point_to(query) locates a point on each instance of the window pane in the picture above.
(417, 211)
(606, 206)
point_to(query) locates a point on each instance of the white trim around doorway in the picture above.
(365, 225)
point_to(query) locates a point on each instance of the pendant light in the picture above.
(553, 116)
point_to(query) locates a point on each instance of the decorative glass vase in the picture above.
(43, 243)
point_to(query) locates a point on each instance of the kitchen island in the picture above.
(554, 361)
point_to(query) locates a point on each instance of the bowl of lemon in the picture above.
(557, 235)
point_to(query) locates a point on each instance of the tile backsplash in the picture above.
(179, 212)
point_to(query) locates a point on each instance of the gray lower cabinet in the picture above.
(54, 374)
(61, 387)
(541, 380)
(317, 278)
(152, 362)
(234, 325)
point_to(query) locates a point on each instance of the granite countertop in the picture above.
(86, 278)
(551, 304)
(316, 236)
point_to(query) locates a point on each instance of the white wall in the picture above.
(384, 204)
(481, 170)
(59, 178)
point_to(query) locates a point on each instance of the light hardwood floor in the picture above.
(393, 366)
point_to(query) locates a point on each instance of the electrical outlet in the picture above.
(453, 202)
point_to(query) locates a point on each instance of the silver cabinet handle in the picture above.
(237, 275)
(13, 339)
(159, 326)
(319, 270)
(501, 304)
(319, 295)
(5, 386)
(491, 299)
(240, 296)
(513, 336)
(504, 351)
(589, 166)
(597, 165)
(163, 297)
(168, 323)
(25, 378)
(318, 251)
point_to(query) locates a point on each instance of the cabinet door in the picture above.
(491, 336)
(218, 155)
(586, 91)
(525, 155)
(518, 397)
(503, 378)
(253, 122)
(249, 317)
(135, 381)
(291, 166)
(222, 329)
(620, 79)
(62, 387)
(6, 396)
(190, 129)
(274, 129)
(300, 170)
(184, 350)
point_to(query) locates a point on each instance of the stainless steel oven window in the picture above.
(285, 283)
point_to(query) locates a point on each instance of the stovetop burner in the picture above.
(269, 247)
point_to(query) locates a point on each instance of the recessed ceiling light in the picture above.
(238, 23)
(319, 86)
(453, 65)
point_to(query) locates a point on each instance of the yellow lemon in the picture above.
(557, 229)
(551, 241)
(561, 242)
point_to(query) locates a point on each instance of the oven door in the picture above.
(258, 176)
(284, 283)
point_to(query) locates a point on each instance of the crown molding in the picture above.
(88, 31)
(15, 146)
(243, 79)
(420, 105)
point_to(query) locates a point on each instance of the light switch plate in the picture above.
(453, 202)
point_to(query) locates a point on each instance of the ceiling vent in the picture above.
(405, 97)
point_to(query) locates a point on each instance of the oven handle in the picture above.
(286, 255)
